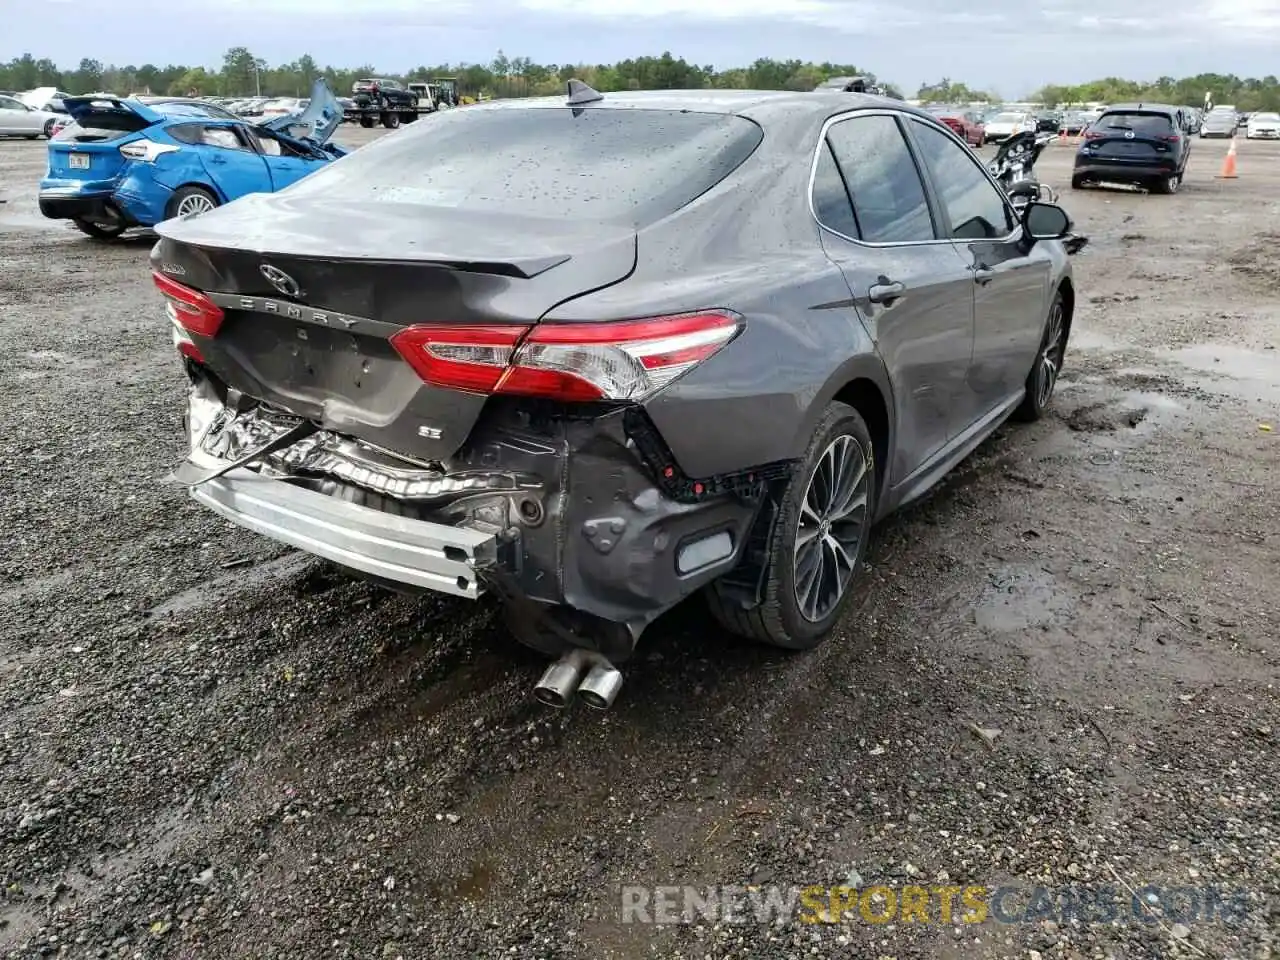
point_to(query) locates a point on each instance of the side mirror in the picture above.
(1045, 221)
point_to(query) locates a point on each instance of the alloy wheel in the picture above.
(1051, 355)
(833, 521)
(193, 204)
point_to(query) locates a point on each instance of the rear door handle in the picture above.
(218, 160)
(886, 291)
(983, 275)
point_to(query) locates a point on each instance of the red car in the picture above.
(967, 125)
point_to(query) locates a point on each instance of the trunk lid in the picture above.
(316, 342)
(39, 97)
(111, 113)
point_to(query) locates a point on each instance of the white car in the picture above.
(280, 107)
(1263, 126)
(1005, 125)
(19, 120)
(48, 99)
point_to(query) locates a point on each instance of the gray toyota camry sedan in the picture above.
(593, 354)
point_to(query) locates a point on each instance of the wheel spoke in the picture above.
(831, 527)
(852, 496)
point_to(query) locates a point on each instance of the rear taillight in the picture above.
(1172, 138)
(189, 309)
(148, 151)
(625, 360)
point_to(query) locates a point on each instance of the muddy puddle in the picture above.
(1017, 598)
(1247, 374)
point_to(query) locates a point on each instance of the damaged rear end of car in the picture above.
(378, 376)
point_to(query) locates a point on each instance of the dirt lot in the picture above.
(270, 760)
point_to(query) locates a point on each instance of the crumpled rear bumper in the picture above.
(417, 553)
(560, 511)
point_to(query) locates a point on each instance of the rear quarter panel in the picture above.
(749, 245)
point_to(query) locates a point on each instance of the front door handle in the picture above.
(983, 275)
(885, 291)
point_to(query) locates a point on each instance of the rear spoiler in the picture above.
(83, 106)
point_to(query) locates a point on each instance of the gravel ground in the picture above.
(271, 760)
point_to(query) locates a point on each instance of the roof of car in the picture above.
(1144, 107)
(756, 103)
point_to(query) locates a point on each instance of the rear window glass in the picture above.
(107, 126)
(625, 165)
(1155, 124)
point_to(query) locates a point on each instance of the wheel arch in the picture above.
(204, 185)
(1068, 290)
(863, 384)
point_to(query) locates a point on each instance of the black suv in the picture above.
(1142, 144)
(383, 94)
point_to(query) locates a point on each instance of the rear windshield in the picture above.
(99, 127)
(1143, 124)
(625, 165)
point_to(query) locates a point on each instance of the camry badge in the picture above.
(280, 280)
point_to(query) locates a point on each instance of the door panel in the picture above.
(283, 166)
(232, 164)
(1009, 277)
(287, 170)
(914, 293)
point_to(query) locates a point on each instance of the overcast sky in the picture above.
(1009, 46)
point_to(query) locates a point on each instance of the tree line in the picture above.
(243, 74)
(1245, 93)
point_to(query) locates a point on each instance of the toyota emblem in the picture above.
(280, 280)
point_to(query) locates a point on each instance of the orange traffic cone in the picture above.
(1229, 163)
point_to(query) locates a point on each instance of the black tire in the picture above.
(391, 120)
(1077, 183)
(367, 122)
(182, 194)
(1053, 347)
(779, 620)
(1167, 186)
(48, 129)
(100, 231)
(382, 103)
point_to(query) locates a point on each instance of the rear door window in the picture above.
(831, 204)
(889, 199)
(226, 138)
(1142, 124)
(596, 164)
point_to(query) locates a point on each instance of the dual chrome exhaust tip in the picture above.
(593, 679)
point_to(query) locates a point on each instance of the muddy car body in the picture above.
(596, 397)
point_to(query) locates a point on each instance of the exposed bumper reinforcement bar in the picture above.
(431, 556)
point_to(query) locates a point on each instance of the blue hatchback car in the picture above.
(134, 162)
